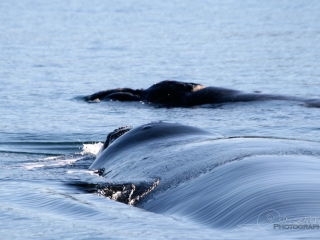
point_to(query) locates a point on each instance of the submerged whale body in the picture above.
(181, 94)
(215, 181)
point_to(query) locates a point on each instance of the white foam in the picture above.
(82, 171)
(31, 166)
(50, 158)
(93, 148)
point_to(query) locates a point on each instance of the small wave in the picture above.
(57, 161)
(41, 148)
(50, 148)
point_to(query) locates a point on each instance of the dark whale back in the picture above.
(152, 133)
(216, 181)
(170, 93)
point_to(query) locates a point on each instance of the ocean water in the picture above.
(53, 53)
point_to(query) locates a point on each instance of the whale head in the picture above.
(171, 92)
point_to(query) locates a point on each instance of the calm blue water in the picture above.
(55, 52)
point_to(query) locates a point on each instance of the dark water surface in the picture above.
(55, 52)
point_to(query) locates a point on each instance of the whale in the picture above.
(222, 182)
(171, 93)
